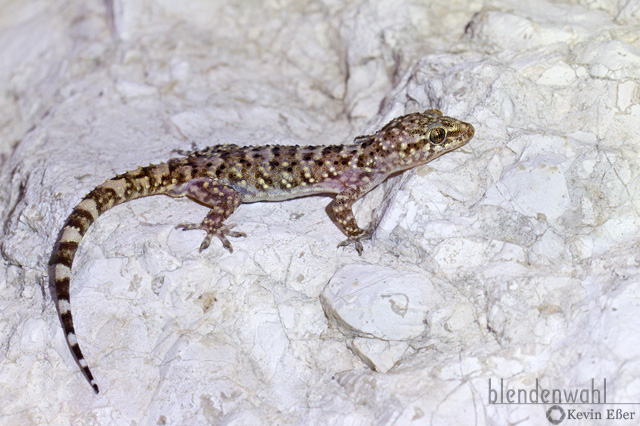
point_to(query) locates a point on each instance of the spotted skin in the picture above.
(224, 176)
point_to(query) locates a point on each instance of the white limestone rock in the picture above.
(521, 248)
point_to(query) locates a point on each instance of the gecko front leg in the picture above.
(223, 200)
(342, 208)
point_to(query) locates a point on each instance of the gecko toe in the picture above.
(188, 226)
(356, 240)
(236, 234)
(205, 243)
(225, 243)
(356, 243)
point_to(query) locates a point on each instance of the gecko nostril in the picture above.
(470, 131)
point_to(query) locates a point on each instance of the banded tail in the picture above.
(145, 181)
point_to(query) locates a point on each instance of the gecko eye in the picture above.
(437, 135)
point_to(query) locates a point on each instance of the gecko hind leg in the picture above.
(223, 201)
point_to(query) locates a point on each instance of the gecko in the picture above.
(222, 177)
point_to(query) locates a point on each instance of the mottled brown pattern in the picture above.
(80, 220)
(224, 176)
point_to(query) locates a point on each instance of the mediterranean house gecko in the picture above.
(224, 176)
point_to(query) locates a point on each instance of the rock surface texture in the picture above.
(510, 264)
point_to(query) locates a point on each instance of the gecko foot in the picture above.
(356, 240)
(185, 152)
(222, 232)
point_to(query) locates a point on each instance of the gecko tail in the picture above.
(133, 184)
(60, 267)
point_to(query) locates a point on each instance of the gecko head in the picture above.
(443, 134)
(418, 138)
